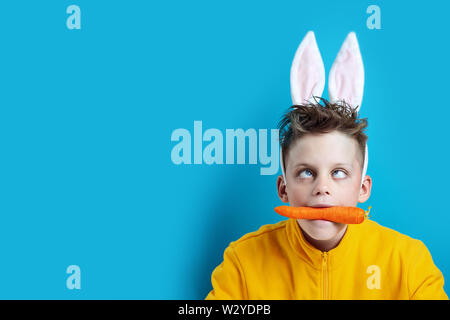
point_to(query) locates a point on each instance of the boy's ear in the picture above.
(365, 190)
(281, 187)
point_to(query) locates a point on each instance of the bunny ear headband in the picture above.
(345, 81)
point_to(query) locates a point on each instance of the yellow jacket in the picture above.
(370, 262)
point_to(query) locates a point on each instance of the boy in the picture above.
(319, 259)
(325, 158)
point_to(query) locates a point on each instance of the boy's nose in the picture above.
(321, 186)
(321, 190)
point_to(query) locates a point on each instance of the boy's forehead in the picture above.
(334, 147)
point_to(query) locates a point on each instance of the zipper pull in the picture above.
(324, 256)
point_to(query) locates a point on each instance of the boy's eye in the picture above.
(306, 170)
(343, 173)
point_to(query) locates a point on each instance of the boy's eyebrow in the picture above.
(312, 166)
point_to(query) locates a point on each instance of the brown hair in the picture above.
(314, 118)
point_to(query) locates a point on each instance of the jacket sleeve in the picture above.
(227, 279)
(425, 280)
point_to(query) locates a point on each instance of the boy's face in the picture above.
(323, 169)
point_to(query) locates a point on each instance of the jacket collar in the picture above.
(313, 256)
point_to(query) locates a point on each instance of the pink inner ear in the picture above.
(347, 84)
(307, 72)
(346, 81)
(309, 66)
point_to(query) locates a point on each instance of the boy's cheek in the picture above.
(298, 199)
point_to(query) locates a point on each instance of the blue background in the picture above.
(86, 118)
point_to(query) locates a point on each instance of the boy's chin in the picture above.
(321, 229)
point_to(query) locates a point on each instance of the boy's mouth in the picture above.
(322, 206)
(321, 222)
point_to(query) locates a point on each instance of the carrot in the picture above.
(347, 215)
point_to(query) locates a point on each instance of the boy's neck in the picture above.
(324, 245)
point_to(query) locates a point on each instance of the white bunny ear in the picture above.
(346, 78)
(307, 71)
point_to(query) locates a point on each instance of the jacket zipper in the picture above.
(325, 274)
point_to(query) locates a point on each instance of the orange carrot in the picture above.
(347, 215)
